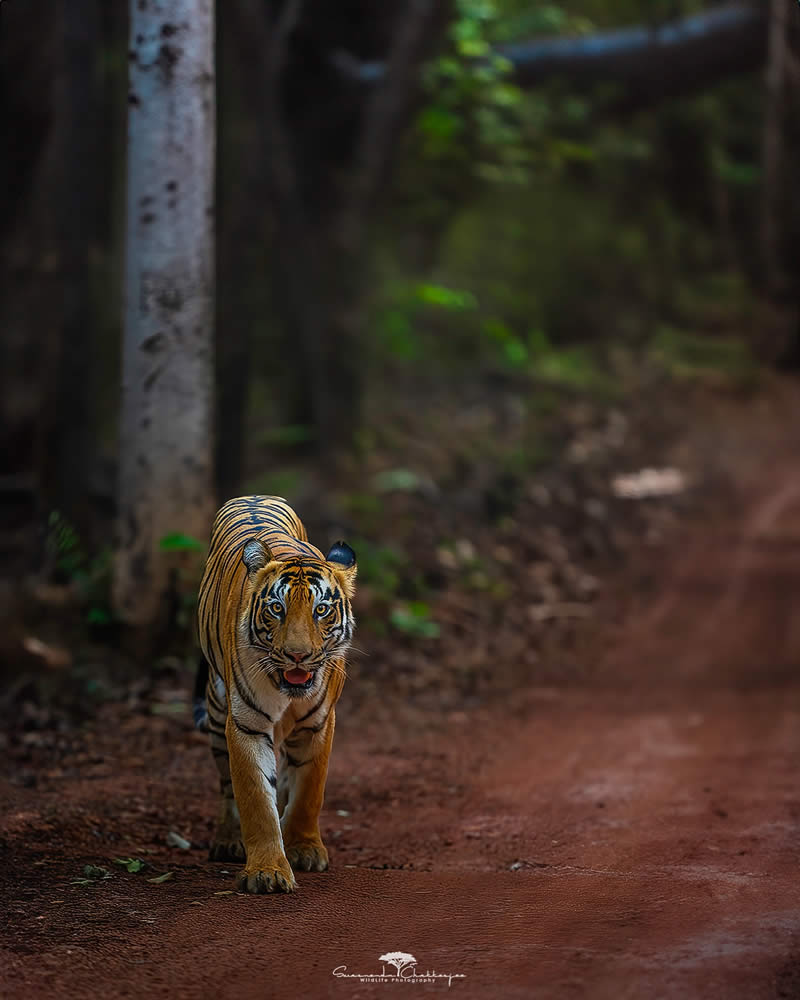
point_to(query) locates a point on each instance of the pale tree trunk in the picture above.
(166, 438)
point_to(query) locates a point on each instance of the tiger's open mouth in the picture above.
(297, 678)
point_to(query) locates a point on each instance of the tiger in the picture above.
(275, 621)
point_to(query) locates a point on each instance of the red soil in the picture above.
(636, 835)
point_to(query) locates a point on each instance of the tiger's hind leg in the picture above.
(283, 783)
(227, 844)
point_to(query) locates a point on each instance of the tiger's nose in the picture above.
(297, 655)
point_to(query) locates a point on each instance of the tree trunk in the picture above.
(166, 439)
(71, 433)
(772, 194)
(238, 170)
(323, 216)
(31, 139)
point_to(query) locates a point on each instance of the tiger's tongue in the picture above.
(296, 675)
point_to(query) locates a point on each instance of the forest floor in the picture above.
(632, 832)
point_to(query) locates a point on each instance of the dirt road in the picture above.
(636, 836)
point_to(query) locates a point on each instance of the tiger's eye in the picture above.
(276, 608)
(322, 610)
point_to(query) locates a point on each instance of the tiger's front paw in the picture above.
(310, 856)
(262, 876)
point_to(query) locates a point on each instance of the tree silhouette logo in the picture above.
(405, 969)
(399, 959)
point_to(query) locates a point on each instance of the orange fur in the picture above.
(272, 608)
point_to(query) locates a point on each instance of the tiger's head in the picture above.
(299, 616)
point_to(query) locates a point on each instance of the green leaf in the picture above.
(178, 542)
(413, 620)
(515, 351)
(447, 298)
(398, 332)
(396, 480)
(98, 616)
(448, 67)
(439, 122)
(497, 330)
(569, 151)
(539, 342)
(505, 96)
(503, 66)
(738, 174)
(420, 609)
(288, 435)
(132, 865)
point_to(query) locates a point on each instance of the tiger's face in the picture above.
(299, 618)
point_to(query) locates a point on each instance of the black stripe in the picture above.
(316, 707)
(313, 729)
(271, 779)
(252, 732)
(248, 700)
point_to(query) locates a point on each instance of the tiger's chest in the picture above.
(258, 705)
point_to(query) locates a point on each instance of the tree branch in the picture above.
(650, 64)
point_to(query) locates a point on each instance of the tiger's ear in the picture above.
(340, 552)
(344, 560)
(255, 555)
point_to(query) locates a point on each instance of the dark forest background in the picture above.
(451, 236)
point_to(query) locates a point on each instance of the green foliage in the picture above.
(414, 618)
(132, 865)
(532, 20)
(287, 436)
(444, 298)
(389, 575)
(473, 120)
(618, 223)
(513, 349)
(97, 615)
(574, 368)
(282, 482)
(365, 505)
(736, 173)
(407, 307)
(688, 355)
(177, 541)
(91, 575)
(396, 480)
(63, 545)
(381, 567)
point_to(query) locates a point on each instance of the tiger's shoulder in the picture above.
(268, 518)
